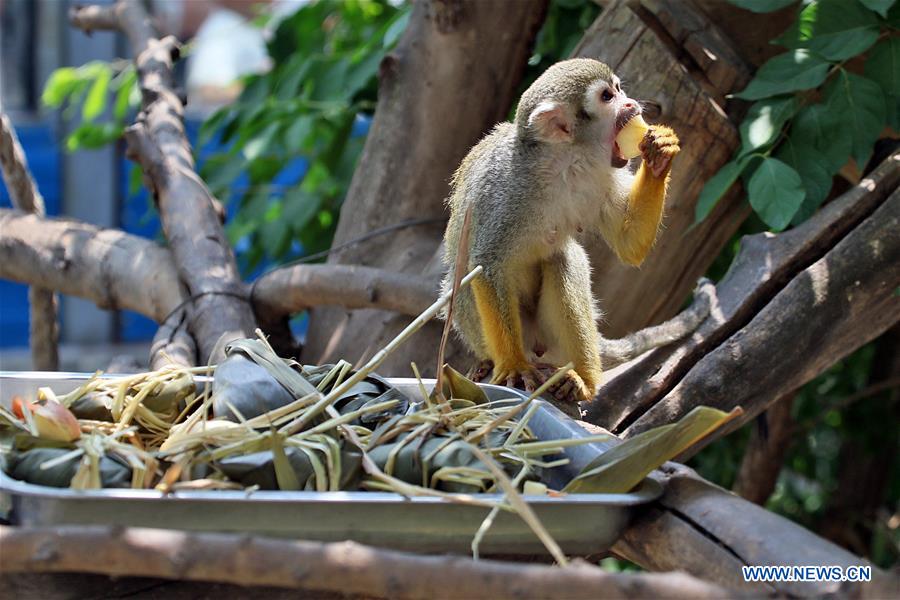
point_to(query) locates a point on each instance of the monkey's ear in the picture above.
(551, 122)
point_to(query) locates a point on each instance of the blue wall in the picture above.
(42, 152)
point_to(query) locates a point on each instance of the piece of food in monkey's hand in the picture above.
(629, 138)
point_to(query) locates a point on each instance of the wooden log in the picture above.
(706, 531)
(344, 567)
(43, 308)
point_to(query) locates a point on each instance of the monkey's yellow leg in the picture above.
(566, 314)
(502, 329)
(647, 196)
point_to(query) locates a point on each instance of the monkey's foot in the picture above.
(525, 377)
(568, 392)
(481, 371)
(658, 148)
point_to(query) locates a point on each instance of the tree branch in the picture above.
(764, 455)
(699, 528)
(114, 269)
(291, 290)
(823, 288)
(108, 267)
(25, 196)
(203, 257)
(345, 567)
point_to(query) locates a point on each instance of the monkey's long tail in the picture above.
(616, 352)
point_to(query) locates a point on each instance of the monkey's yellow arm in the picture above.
(640, 223)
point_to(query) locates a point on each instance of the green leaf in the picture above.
(262, 142)
(619, 469)
(860, 103)
(764, 121)
(95, 103)
(126, 95)
(457, 386)
(883, 67)
(836, 29)
(811, 165)
(299, 207)
(762, 6)
(717, 185)
(819, 127)
(90, 136)
(284, 472)
(296, 136)
(879, 6)
(275, 233)
(222, 171)
(61, 84)
(776, 193)
(396, 29)
(789, 72)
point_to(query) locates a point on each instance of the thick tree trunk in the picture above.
(452, 76)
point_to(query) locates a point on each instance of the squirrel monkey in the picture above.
(532, 185)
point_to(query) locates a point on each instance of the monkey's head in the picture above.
(578, 101)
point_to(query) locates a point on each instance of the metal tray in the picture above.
(580, 523)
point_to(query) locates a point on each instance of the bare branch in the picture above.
(172, 344)
(345, 567)
(293, 289)
(24, 193)
(114, 269)
(108, 267)
(203, 257)
(765, 455)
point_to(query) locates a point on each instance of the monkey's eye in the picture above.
(606, 96)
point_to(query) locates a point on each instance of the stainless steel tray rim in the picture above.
(648, 490)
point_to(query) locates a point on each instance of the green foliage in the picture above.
(811, 114)
(91, 87)
(325, 61)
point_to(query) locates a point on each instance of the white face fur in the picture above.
(594, 122)
(603, 101)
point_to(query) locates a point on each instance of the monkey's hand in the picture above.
(658, 148)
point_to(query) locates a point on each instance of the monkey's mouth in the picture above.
(617, 161)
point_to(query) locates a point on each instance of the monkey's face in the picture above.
(590, 118)
(606, 109)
